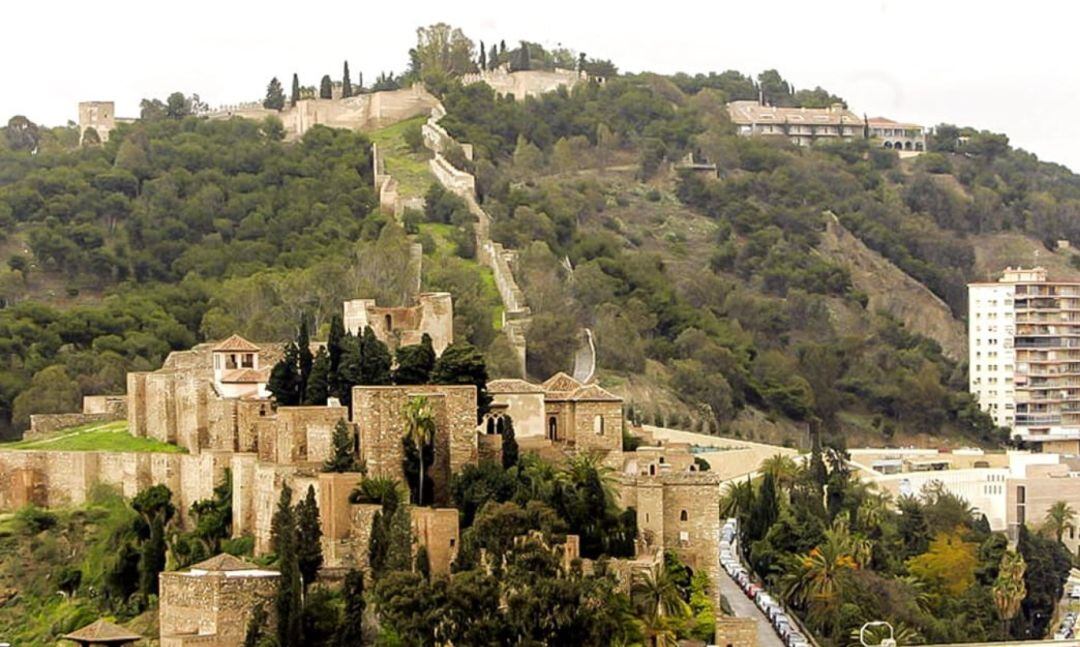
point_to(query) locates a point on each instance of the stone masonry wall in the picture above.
(195, 607)
(436, 529)
(43, 424)
(736, 632)
(377, 411)
(516, 312)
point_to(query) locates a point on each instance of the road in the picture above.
(744, 608)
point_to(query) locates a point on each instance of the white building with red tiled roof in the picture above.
(236, 369)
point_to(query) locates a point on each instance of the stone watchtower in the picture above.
(99, 115)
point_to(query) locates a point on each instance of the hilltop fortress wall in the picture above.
(525, 83)
(516, 312)
(361, 112)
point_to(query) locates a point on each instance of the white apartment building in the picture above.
(1024, 356)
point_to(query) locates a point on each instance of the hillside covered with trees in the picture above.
(709, 297)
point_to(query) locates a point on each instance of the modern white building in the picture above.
(1024, 356)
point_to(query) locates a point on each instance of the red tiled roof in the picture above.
(245, 376)
(103, 631)
(236, 344)
(561, 382)
(513, 386)
(224, 562)
(595, 393)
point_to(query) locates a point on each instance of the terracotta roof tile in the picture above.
(236, 344)
(513, 386)
(224, 562)
(103, 631)
(561, 382)
(595, 393)
(245, 376)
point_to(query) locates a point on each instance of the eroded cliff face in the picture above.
(891, 290)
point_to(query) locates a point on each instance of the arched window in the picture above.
(389, 323)
(598, 425)
(683, 516)
(553, 428)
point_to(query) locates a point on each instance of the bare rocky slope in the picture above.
(893, 291)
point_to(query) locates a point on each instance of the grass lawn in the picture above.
(99, 436)
(408, 168)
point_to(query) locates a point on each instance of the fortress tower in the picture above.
(99, 115)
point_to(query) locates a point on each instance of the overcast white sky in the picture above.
(1005, 66)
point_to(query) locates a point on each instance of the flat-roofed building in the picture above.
(897, 135)
(1024, 356)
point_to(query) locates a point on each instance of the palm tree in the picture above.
(1009, 589)
(657, 597)
(737, 498)
(783, 468)
(420, 428)
(813, 580)
(1059, 518)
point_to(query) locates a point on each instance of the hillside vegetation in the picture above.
(735, 288)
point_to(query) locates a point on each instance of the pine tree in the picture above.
(346, 83)
(295, 96)
(483, 57)
(415, 362)
(287, 601)
(351, 630)
(308, 538)
(344, 456)
(275, 95)
(326, 87)
(284, 383)
(461, 363)
(374, 359)
(318, 384)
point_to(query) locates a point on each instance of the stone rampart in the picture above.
(516, 312)
(56, 478)
(115, 405)
(43, 424)
(525, 83)
(436, 529)
(361, 112)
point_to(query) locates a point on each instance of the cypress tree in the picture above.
(359, 81)
(351, 630)
(304, 359)
(346, 83)
(374, 359)
(318, 384)
(255, 627)
(493, 58)
(326, 87)
(295, 96)
(275, 95)
(309, 555)
(344, 456)
(287, 601)
(399, 544)
(334, 349)
(422, 564)
(350, 371)
(509, 443)
(483, 57)
(284, 383)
